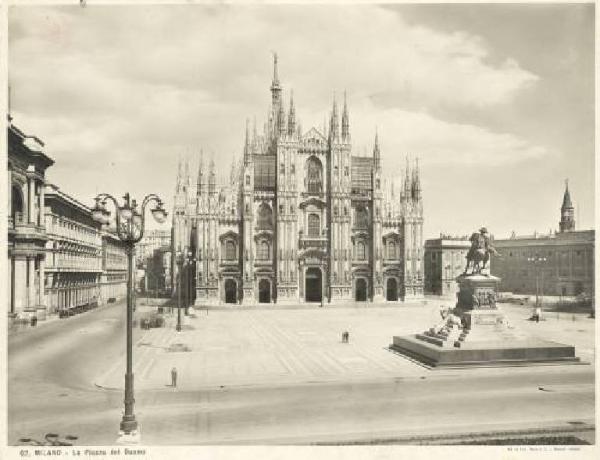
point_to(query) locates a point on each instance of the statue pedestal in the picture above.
(477, 333)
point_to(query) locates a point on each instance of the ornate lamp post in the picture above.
(130, 229)
(184, 258)
(537, 261)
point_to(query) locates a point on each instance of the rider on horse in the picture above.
(481, 248)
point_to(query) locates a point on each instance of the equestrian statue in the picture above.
(480, 251)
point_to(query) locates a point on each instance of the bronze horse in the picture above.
(479, 253)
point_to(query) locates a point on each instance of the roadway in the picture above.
(52, 369)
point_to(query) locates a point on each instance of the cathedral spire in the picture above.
(407, 179)
(376, 152)
(281, 121)
(275, 89)
(334, 130)
(275, 82)
(200, 183)
(179, 174)
(211, 177)
(292, 116)
(416, 185)
(345, 122)
(247, 144)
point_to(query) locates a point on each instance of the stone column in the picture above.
(9, 194)
(11, 304)
(20, 284)
(41, 216)
(42, 297)
(31, 201)
(31, 298)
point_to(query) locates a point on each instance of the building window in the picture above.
(282, 168)
(314, 175)
(346, 171)
(314, 225)
(230, 253)
(360, 251)
(335, 170)
(391, 250)
(293, 169)
(263, 250)
(265, 217)
(247, 180)
(362, 218)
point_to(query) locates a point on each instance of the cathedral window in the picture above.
(265, 217)
(314, 175)
(230, 253)
(280, 209)
(247, 180)
(263, 250)
(293, 169)
(314, 225)
(362, 218)
(391, 247)
(346, 171)
(335, 210)
(360, 251)
(282, 168)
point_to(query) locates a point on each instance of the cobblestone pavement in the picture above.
(278, 347)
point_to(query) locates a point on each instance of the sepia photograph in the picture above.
(347, 227)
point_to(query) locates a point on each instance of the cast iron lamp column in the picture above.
(183, 259)
(130, 229)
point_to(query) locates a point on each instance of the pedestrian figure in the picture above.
(174, 377)
(345, 336)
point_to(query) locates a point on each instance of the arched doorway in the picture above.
(392, 289)
(361, 290)
(230, 291)
(264, 291)
(313, 279)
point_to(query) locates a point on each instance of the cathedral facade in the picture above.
(300, 219)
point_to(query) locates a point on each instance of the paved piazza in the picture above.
(293, 346)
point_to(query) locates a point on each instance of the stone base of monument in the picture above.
(524, 352)
(477, 333)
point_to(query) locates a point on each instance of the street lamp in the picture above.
(184, 258)
(537, 261)
(130, 229)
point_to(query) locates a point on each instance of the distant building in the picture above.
(158, 272)
(152, 240)
(59, 258)
(568, 268)
(113, 285)
(73, 253)
(445, 259)
(27, 164)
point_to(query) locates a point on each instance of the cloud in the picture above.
(134, 87)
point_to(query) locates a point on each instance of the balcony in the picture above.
(20, 229)
(312, 242)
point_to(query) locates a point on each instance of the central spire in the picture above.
(275, 73)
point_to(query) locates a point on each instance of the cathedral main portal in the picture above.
(314, 285)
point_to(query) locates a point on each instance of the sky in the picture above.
(496, 100)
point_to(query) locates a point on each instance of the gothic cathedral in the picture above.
(301, 219)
